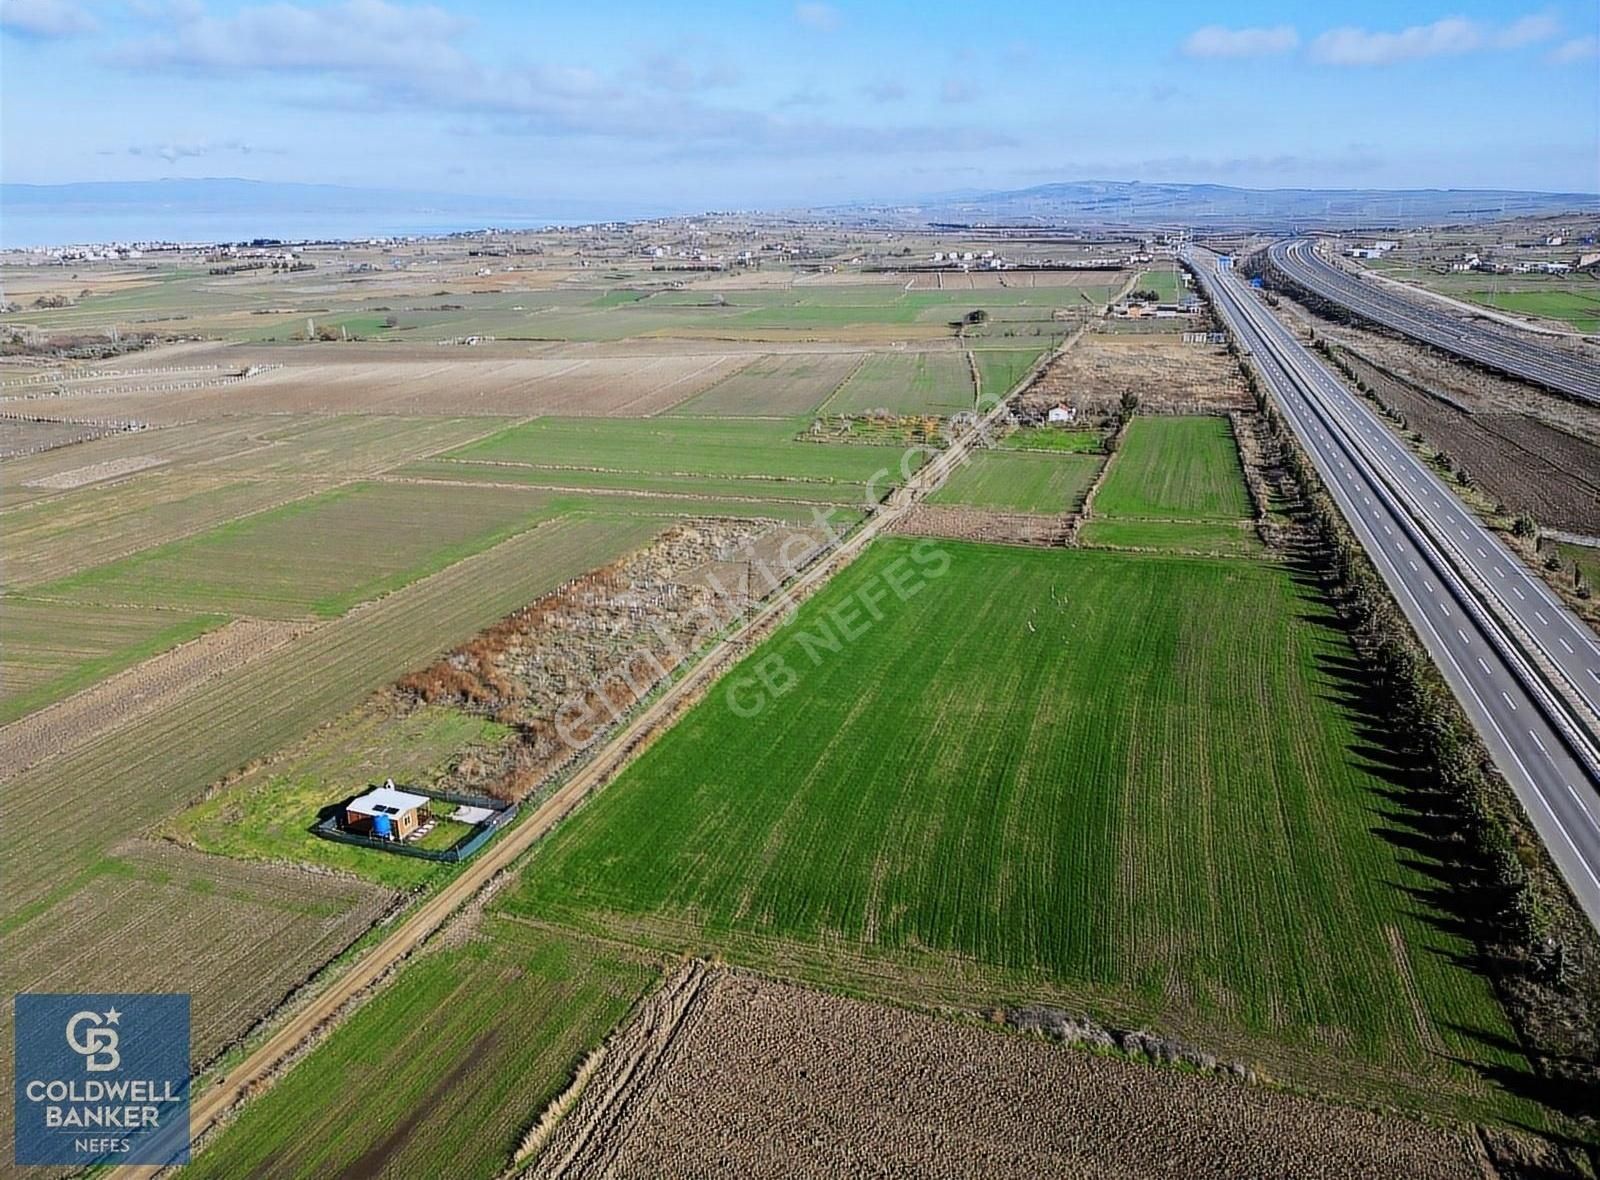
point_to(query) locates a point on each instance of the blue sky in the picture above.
(732, 105)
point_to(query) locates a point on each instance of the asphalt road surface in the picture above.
(1524, 668)
(1481, 341)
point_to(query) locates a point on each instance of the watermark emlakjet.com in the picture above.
(102, 1079)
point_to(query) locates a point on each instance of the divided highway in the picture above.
(1490, 345)
(1524, 668)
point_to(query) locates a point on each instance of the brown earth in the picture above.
(1523, 462)
(154, 684)
(725, 1073)
(397, 379)
(1164, 373)
(976, 524)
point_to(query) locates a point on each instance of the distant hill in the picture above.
(218, 210)
(1117, 202)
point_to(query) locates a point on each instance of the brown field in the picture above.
(977, 524)
(409, 379)
(147, 687)
(237, 937)
(1166, 374)
(725, 1073)
(781, 384)
(1524, 463)
(20, 436)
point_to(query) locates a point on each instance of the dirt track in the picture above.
(256, 1071)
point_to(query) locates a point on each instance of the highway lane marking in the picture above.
(1485, 667)
(1566, 645)
(1508, 700)
(1538, 743)
(1517, 590)
(1463, 634)
(1413, 566)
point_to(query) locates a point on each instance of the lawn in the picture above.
(52, 650)
(316, 556)
(1175, 469)
(907, 383)
(1135, 784)
(1021, 482)
(268, 814)
(444, 1070)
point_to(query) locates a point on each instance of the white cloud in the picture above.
(46, 20)
(369, 36)
(1452, 36)
(378, 56)
(1576, 50)
(822, 17)
(1217, 41)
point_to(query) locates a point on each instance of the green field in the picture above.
(907, 383)
(1219, 538)
(53, 649)
(1137, 784)
(444, 1070)
(1021, 482)
(1000, 369)
(1580, 308)
(1054, 438)
(1175, 469)
(317, 556)
(786, 385)
(268, 814)
(1163, 282)
(736, 448)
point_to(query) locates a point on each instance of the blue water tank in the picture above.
(382, 827)
(1256, 283)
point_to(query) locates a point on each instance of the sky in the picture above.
(752, 104)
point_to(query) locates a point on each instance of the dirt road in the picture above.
(208, 1106)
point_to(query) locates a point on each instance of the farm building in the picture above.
(1063, 414)
(388, 812)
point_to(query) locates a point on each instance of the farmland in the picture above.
(386, 516)
(142, 772)
(910, 383)
(1022, 482)
(452, 1062)
(53, 649)
(785, 385)
(350, 545)
(1175, 469)
(1091, 828)
(748, 1044)
(732, 448)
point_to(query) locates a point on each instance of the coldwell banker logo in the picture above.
(102, 1079)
